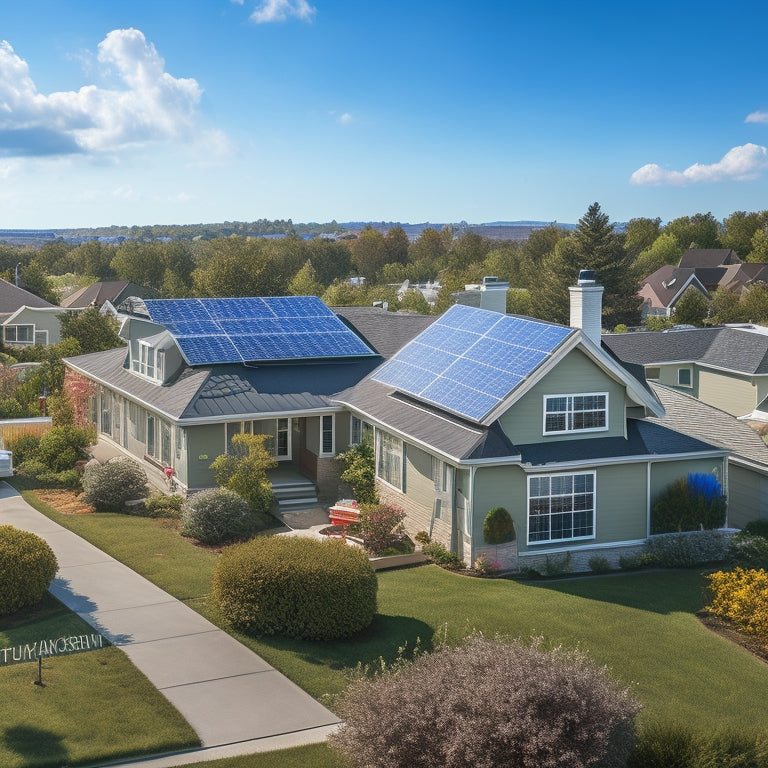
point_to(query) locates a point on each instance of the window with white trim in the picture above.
(20, 334)
(575, 413)
(389, 459)
(358, 430)
(149, 362)
(327, 441)
(684, 377)
(41, 338)
(561, 507)
(283, 438)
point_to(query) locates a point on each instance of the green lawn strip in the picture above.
(314, 755)
(94, 706)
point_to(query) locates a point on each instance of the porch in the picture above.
(291, 488)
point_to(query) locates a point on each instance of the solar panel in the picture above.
(255, 329)
(470, 359)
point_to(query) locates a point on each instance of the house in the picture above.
(724, 366)
(27, 319)
(112, 291)
(484, 409)
(197, 372)
(706, 270)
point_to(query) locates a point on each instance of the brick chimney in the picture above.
(587, 305)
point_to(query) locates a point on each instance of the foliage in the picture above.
(749, 551)
(498, 527)
(381, 526)
(599, 564)
(244, 471)
(60, 447)
(488, 703)
(369, 252)
(413, 300)
(682, 550)
(358, 471)
(664, 745)
(92, 330)
(689, 504)
(757, 528)
(160, 506)
(422, 537)
(108, 486)
(27, 567)
(35, 280)
(79, 390)
(692, 308)
(634, 562)
(657, 323)
(557, 566)
(24, 447)
(61, 410)
(305, 283)
(702, 230)
(664, 250)
(725, 306)
(219, 516)
(484, 566)
(440, 555)
(739, 228)
(296, 586)
(741, 597)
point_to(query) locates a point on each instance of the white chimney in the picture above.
(587, 305)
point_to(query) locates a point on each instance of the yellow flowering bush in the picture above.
(741, 596)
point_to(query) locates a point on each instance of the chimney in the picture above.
(587, 305)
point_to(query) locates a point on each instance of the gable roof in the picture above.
(113, 291)
(743, 350)
(708, 257)
(668, 283)
(13, 298)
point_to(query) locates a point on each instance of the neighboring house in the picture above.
(706, 270)
(484, 409)
(724, 366)
(27, 319)
(746, 482)
(196, 372)
(114, 292)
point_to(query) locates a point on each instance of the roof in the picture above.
(13, 298)
(690, 416)
(668, 282)
(386, 332)
(113, 291)
(708, 257)
(742, 350)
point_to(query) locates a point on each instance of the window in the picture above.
(283, 439)
(441, 476)
(150, 362)
(355, 431)
(575, 413)
(151, 437)
(41, 338)
(160, 364)
(561, 507)
(20, 334)
(653, 373)
(326, 435)
(389, 459)
(684, 377)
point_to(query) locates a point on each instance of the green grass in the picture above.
(94, 706)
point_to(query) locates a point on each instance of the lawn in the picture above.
(94, 706)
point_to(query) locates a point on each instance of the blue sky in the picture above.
(147, 112)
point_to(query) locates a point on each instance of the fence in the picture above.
(10, 429)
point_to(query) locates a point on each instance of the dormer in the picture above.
(156, 358)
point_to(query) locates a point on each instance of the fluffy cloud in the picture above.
(757, 117)
(280, 10)
(152, 106)
(739, 164)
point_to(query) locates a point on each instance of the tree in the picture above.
(244, 471)
(664, 250)
(725, 307)
(702, 230)
(641, 234)
(93, 331)
(369, 252)
(739, 228)
(754, 304)
(467, 249)
(759, 246)
(237, 266)
(396, 244)
(305, 283)
(692, 308)
(358, 471)
(429, 247)
(542, 242)
(413, 300)
(94, 259)
(35, 280)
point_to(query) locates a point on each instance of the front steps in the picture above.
(295, 494)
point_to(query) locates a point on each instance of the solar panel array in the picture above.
(212, 331)
(470, 359)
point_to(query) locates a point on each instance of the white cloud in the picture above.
(739, 164)
(280, 10)
(345, 119)
(152, 106)
(756, 117)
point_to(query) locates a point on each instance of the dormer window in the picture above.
(150, 362)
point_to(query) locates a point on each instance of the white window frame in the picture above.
(689, 370)
(289, 433)
(570, 412)
(324, 431)
(572, 494)
(44, 338)
(386, 457)
(141, 364)
(14, 337)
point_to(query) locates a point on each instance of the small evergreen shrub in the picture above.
(749, 551)
(498, 527)
(161, 506)
(219, 516)
(358, 471)
(757, 528)
(27, 567)
(380, 526)
(682, 550)
(24, 447)
(61, 447)
(33, 468)
(67, 478)
(599, 564)
(439, 555)
(690, 504)
(422, 537)
(108, 486)
(488, 703)
(296, 587)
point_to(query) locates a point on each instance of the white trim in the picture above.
(320, 452)
(611, 461)
(570, 411)
(581, 547)
(55, 310)
(549, 476)
(377, 457)
(690, 371)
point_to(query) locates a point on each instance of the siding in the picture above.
(663, 473)
(575, 374)
(747, 496)
(735, 395)
(204, 444)
(668, 377)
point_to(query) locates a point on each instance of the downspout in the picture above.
(726, 486)
(469, 514)
(648, 500)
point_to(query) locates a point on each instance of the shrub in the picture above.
(27, 567)
(381, 526)
(488, 703)
(161, 506)
(33, 468)
(244, 471)
(439, 555)
(599, 564)
(690, 504)
(664, 745)
(557, 566)
(61, 447)
(749, 551)
(358, 471)
(108, 486)
(741, 597)
(296, 586)
(219, 516)
(484, 566)
(67, 478)
(682, 550)
(24, 447)
(498, 527)
(422, 537)
(757, 528)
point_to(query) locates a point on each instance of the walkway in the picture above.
(233, 699)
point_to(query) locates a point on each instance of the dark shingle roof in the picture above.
(113, 291)
(13, 298)
(708, 257)
(667, 282)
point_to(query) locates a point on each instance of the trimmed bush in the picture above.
(34, 468)
(161, 506)
(358, 471)
(690, 504)
(682, 550)
(488, 703)
(599, 564)
(380, 526)
(24, 447)
(61, 447)
(219, 516)
(439, 555)
(296, 587)
(27, 567)
(498, 527)
(107, 487)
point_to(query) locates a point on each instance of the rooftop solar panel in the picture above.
(255, 329)
(470, 359)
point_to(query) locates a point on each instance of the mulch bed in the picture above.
(726, 630)
(65, 502)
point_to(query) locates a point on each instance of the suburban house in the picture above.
(705, 269)
(112, 292)
(27, 319)
(724, 366)
(484, 409)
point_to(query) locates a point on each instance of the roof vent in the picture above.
(586, 277)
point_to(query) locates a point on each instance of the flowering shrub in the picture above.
(690, 504)
(439, 555)
(381, 526)
(741, 596)
(681, 550)
(484, 566)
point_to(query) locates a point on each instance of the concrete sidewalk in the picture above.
(233, 699)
